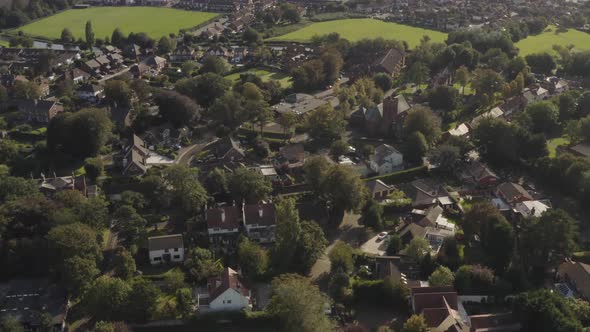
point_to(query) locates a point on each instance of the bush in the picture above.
(406, 175)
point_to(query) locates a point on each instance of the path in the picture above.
(186, 154)
(108, 77)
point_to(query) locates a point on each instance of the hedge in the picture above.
(406, 175)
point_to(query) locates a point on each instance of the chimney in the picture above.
(222, 215)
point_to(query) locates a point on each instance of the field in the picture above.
(545, 41)
(356, 29)
(283, 79)
(156, 22)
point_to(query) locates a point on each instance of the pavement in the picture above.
(375, 247)
(186, 154)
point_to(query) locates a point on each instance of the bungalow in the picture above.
(219, 51)
(461, 130)
(478, 174)
(52, 185)
(529, 209)
(535, 94)
(426, 193)
(228, 150)
(512, 193)
(582, 150)
(434, 235)
(225, 293)
(155, 62)
(378, 189)
(514, 105)
(166, 249)
(268, 171)
(260, 222)
(577, 276)
(76, 75)
(386, 159)
(291, 155)
(223, 224)
(494, 113)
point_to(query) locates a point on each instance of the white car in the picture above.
(382, 236)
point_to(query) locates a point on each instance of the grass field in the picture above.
(356, 29)
(554, 143)
(544, 42)
(156, 22)
(283, 79)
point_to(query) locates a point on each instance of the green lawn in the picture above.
(357, 29)
(544, 42)
(154, 21)
(553, 143)
(265, 75)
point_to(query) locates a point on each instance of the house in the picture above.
(225, 293)
(390, 63)
(440, 307)
(260, 222)
(386, 159)
(223, 224)
(529, 209)
(228, 150)
(384, 119)
(502, 322)
(514, 105)
(238, 54)
(299, 104)
(512, 193)
(462, 130)
(433, 217)
(291, 156)
(183, 53)
(218, 51)
(134, 161)
(535, 94)
(155, 62)
(35, 111)
(434, 235)
(166, 249)
(268, 171)
(76, 75)
(90, 92)
(494, 113)
(425, 193)
(577, 276)
(582, 150)
(28, 300)
(379, 190)
(396, 267)
(478, 174)
(52, 185)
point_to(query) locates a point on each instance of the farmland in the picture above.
(356, 29)
(156, 22)
(545, 41)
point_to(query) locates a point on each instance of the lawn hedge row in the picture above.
(406, 175)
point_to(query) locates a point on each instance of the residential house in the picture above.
(478, 174)
(76, 75)
(529, 209)
(494, 113)
(90, 92)
(379, 190)
(183, 53)
(390, 63)
(155, 62)
(384, 119)
(386, 159)
(223, 224)
(34, 110)
(425, 193)
(433, 217)
(218, 51)
(166, 249)
(512, 193)
(29, 300)
(582, 150)
(269, 172)
(225, 293)
(434, 235)
(52, 185)
(291, 156)
(514, 105)
(134, 160)
(396, 267)
(238, 54)
(577, 276)
(440, 307)
(462, 130)
(535, 94)
(260, 222)
(228, 150)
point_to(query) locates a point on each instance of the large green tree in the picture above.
(249, 185)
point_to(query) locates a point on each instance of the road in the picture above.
(108, 77)
(186, 154)
(375, 247)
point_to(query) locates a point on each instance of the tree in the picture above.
(201, 264)
(186, 190)
(497, 141)
(249, 185)
(117, 93)
(416, 147)
(417, 249)
(214, 64)
(78, 274)
(176, 108)
(124, 264)
(81, 134)
(107, 298)
(580, 308)
(103, 327)
(541, 63)
(131, 225)
(174, 280)
(288, 121)
(417, 73)
(299, 305)
(341, 257)
(26, 90)
(441, 277)
(66, 36)
(339, 285)
(312, 243)
(543, 117)
(462, 78)
(204, 89)
(394, 245)
(325, 122)
(443, 97)
(447, 157)
(487, 82)
(93, 167)
(383, 81)
(67, 241)
(416, 323)
(89, 34)
(497, 241)
(338, 148)
(142, 300)
(133, 199)
(373, 215)
(117, 38)
(342, 190)
(10, 323)
(287, 233)
(423, 120)
(472, 279)
(545, 311)
(253, 259)
(291, 12)
(165, 45)
(217, 181)
(567, 103)
(184, 302)
(251, 37)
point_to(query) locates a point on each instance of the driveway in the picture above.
(186, 154)
(375, 247)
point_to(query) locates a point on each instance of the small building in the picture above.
(166, 249)
(225, 293)
(512, 193)
(529, 209)
(76, 75)
(269, 172)
(462, 130)
(134, 161)
(386, 159)
(260, 222)
(379, 190)
(494, 113)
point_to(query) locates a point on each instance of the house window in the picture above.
(165, 250)
(228, 301)
(175, 249)
(176, 256)
(157, 259)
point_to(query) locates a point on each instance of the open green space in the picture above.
(554, 143)
(357, 29)
(154, 21)
(265, 76)
(544, 42)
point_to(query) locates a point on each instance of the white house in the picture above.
(225, 293)
(386, 159)
(166, 249)
(260, 222)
